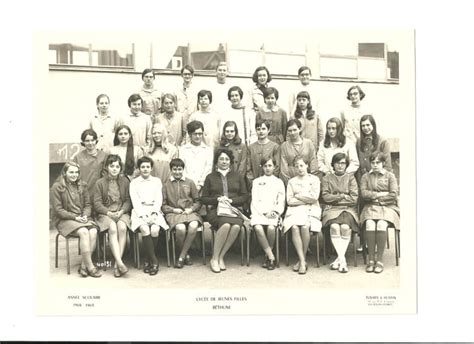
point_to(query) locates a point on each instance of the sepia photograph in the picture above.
(217, 172)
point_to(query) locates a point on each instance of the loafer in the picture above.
(154, 269)
(94, 272)
(214, 266)
(370, 267)
(82, 271)
(117, 273)
(180, 263)
(271, 264)
(146, 268)
(187, 260)
(378, 268)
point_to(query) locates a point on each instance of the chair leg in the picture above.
(388, 241)
(104, 247)
(79, 245)
(397, 248)
(173, 246)
(317, 249)
(277, 244)
(203, 246)
(167, 238)
(354, 247)
(67, 257)
(242, 233)
(248, 234)
(286, 249)
(137, 248)
(56, 256)
(324, 248)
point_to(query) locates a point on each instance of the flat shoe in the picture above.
(123, 269)
(94, 272)
(187, 260)
(271, 264)
(265, 263)
(370, 267)
(343, 268)
(146, 268)
(180, 263)
(117, 273)
(303, 269)
(82, 271)
(222, 265)
(378, 268)
(154, 269)
(296, 267)
(214, 266)
(335, 264)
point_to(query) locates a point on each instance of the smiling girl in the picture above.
(274, 114)
(104, 124)
(230, 139)
(208, 118)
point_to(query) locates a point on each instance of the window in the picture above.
(87, 54)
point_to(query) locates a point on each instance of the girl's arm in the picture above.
(321, 161)
(291, 200)
(206, 197)
(385, 149)
(243, 193)
(276, 154)
(391, 198)
(136, 199)
(367, 193)
(250, 175)
(166, 208)
(279, 206)
(86, 201)
(127, 203)
(353, 157)
(328, 196)
(158, 198)
(207, 168)
(284, 167)
(320, 131)
(243, 161)
(98, 202)
(312, 194)
(351, 198)
(254, 209)
(284, 120)
(57, 205)
(313, 161)
(195, 195)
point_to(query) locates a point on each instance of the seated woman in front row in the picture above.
(339, 193)
(268, 203)
(180, 206)
(303, 213)
(112, 206)
(379, 190)
(147, 198)
(72, 210)
(223, 185)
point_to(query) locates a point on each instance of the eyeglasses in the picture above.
(340, 163)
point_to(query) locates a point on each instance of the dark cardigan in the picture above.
(101, 197)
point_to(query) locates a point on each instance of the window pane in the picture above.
(373, 69)
(284, 64)
(338, 67)
(244, 61)
(337, 47)
(372, 50)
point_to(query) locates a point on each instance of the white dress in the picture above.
(268, 194)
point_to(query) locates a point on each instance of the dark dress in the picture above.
(232, 185)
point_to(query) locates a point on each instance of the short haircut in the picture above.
(111, 158)
(298, 158)
(235, 88)
(303, 68)
(294, 121)
(133, 98)
(255, 74)
(269, 91)
(177, 162)
(221, 64)
(146, 71)
(187, 67)
(259, 123)
(338, 157)
(144, 159)
(264, 160)
(361, 93)
(193, 126)
(377, 155)
(203, 93)
(86, 133)
(102, 95)
(225, 151)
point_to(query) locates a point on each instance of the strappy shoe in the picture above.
(335, 264)
(94, 272)
(82, 271)
(370, 267)
(378, 267)
(154, 269)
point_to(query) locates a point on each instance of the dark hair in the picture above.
(264, 160)
(303, 68)
(226, 151)
(188, 67)
(300, 157)
(269, 91)
(361, 93)
(102, 95)
(261, 121)
(144, 159)
(235, 88)
(255, 74)
(294, 121)
(203, 93)
(86, 133)
(338, 157)
(146, 71)
(129, 157)
(111, 158)
(192, 126)
(310, 113)
(236, 140)
(177, 162)
(133, 98)
(374, 135)
(220, 64)
(378, 155)
(340, 137)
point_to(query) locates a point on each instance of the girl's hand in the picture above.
(177, 211)
(78, 218)
(187, 211)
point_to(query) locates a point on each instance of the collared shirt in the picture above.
(105, 129)
(146, 195)
(140, 125)
(278, 119)
(187, 100)
(173, 179)
(198, 161)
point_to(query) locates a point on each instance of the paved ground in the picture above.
(236, 276)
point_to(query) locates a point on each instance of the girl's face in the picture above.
(103, 105)
(72, 174)
(354, 95)
(221, 73)
(293, 132)
(123, 136)
(148, 79)
(113, 169)
(187, 76)
(136, 106)
(303, 103)
(377, 165)
(262, 132)
(262, 77)
(270, 100)
(305, 77)
(168, 105)
(340, 166)
(223, 161)
(229, 132)
(196, 137)
(89, 142)
(301, 167)
(332, 130)
(204, 102)
(145, 169)
(367, 127)
(177, 172)
(268, 168)
(157, 134)
(235, 98)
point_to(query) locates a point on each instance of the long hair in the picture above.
(62, 176)
(164, 138)
(310, 113)
(236, 140)
(130, 156)
(340, 137)
(374, 135)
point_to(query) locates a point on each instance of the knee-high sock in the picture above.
(150, 249)
(370, 237)
(381, 238)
